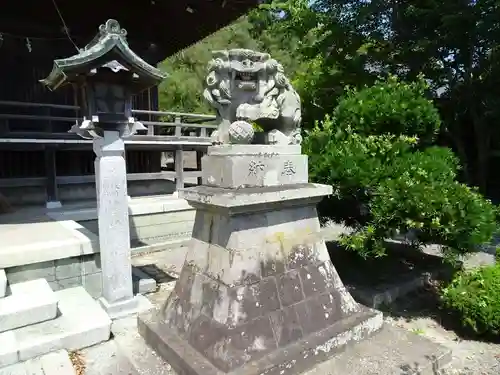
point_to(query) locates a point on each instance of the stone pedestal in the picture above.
(236, 166)
(113, 220)
(258, 293)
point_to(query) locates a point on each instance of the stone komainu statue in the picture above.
(247, 87)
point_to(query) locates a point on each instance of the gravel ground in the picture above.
(418, 313)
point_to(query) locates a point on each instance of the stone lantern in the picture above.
(108, 73)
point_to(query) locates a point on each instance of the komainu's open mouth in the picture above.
(246, 81)
(246, 76)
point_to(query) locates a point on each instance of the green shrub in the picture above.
(421, 194)
(386, 182)
(475, 297)
(390, 107)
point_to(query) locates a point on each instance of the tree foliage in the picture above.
(183, 89)
(387, 181)
(377, 143)
(454, 44)
(390, 107)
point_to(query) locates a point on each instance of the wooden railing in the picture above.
(44, 127)
(14, 124)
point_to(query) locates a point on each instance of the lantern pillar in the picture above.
(113, 220)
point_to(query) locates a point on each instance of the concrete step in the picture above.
(81, 323)
(130, 345)
(57, 363)
(3, 283)
(30, 302)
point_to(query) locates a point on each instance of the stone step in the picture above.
(3, 283)
(30, 302)
(131, 345)
(81, 323)
(57, 363)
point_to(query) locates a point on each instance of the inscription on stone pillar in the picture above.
(288, 169)
(255, 167)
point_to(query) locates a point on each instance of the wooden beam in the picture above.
(65, 138)
(75, 180)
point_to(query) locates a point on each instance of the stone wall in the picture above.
(155, 228)
(155, 225)
(36, 195)
(64, 273)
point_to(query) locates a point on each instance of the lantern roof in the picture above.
(109, 49)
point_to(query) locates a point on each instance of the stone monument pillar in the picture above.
(258, 292)
(113, 221)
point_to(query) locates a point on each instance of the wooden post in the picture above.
(4, 126)
(178, 128)
(151, 128)
(179, 168)
(51, 178)
(50, 171)
(178, 158)
(126, 168)
(199, 155)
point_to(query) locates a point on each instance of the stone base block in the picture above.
(53, 205)
(142, 282)
(254, 166)
(30, 302)
(258, 292)
(121, 309)
(3, 283)
(246, 200)
(295, 358)
(81, 323)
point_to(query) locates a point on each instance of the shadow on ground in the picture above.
(156, 273)
(401, 263)
(376, 275)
